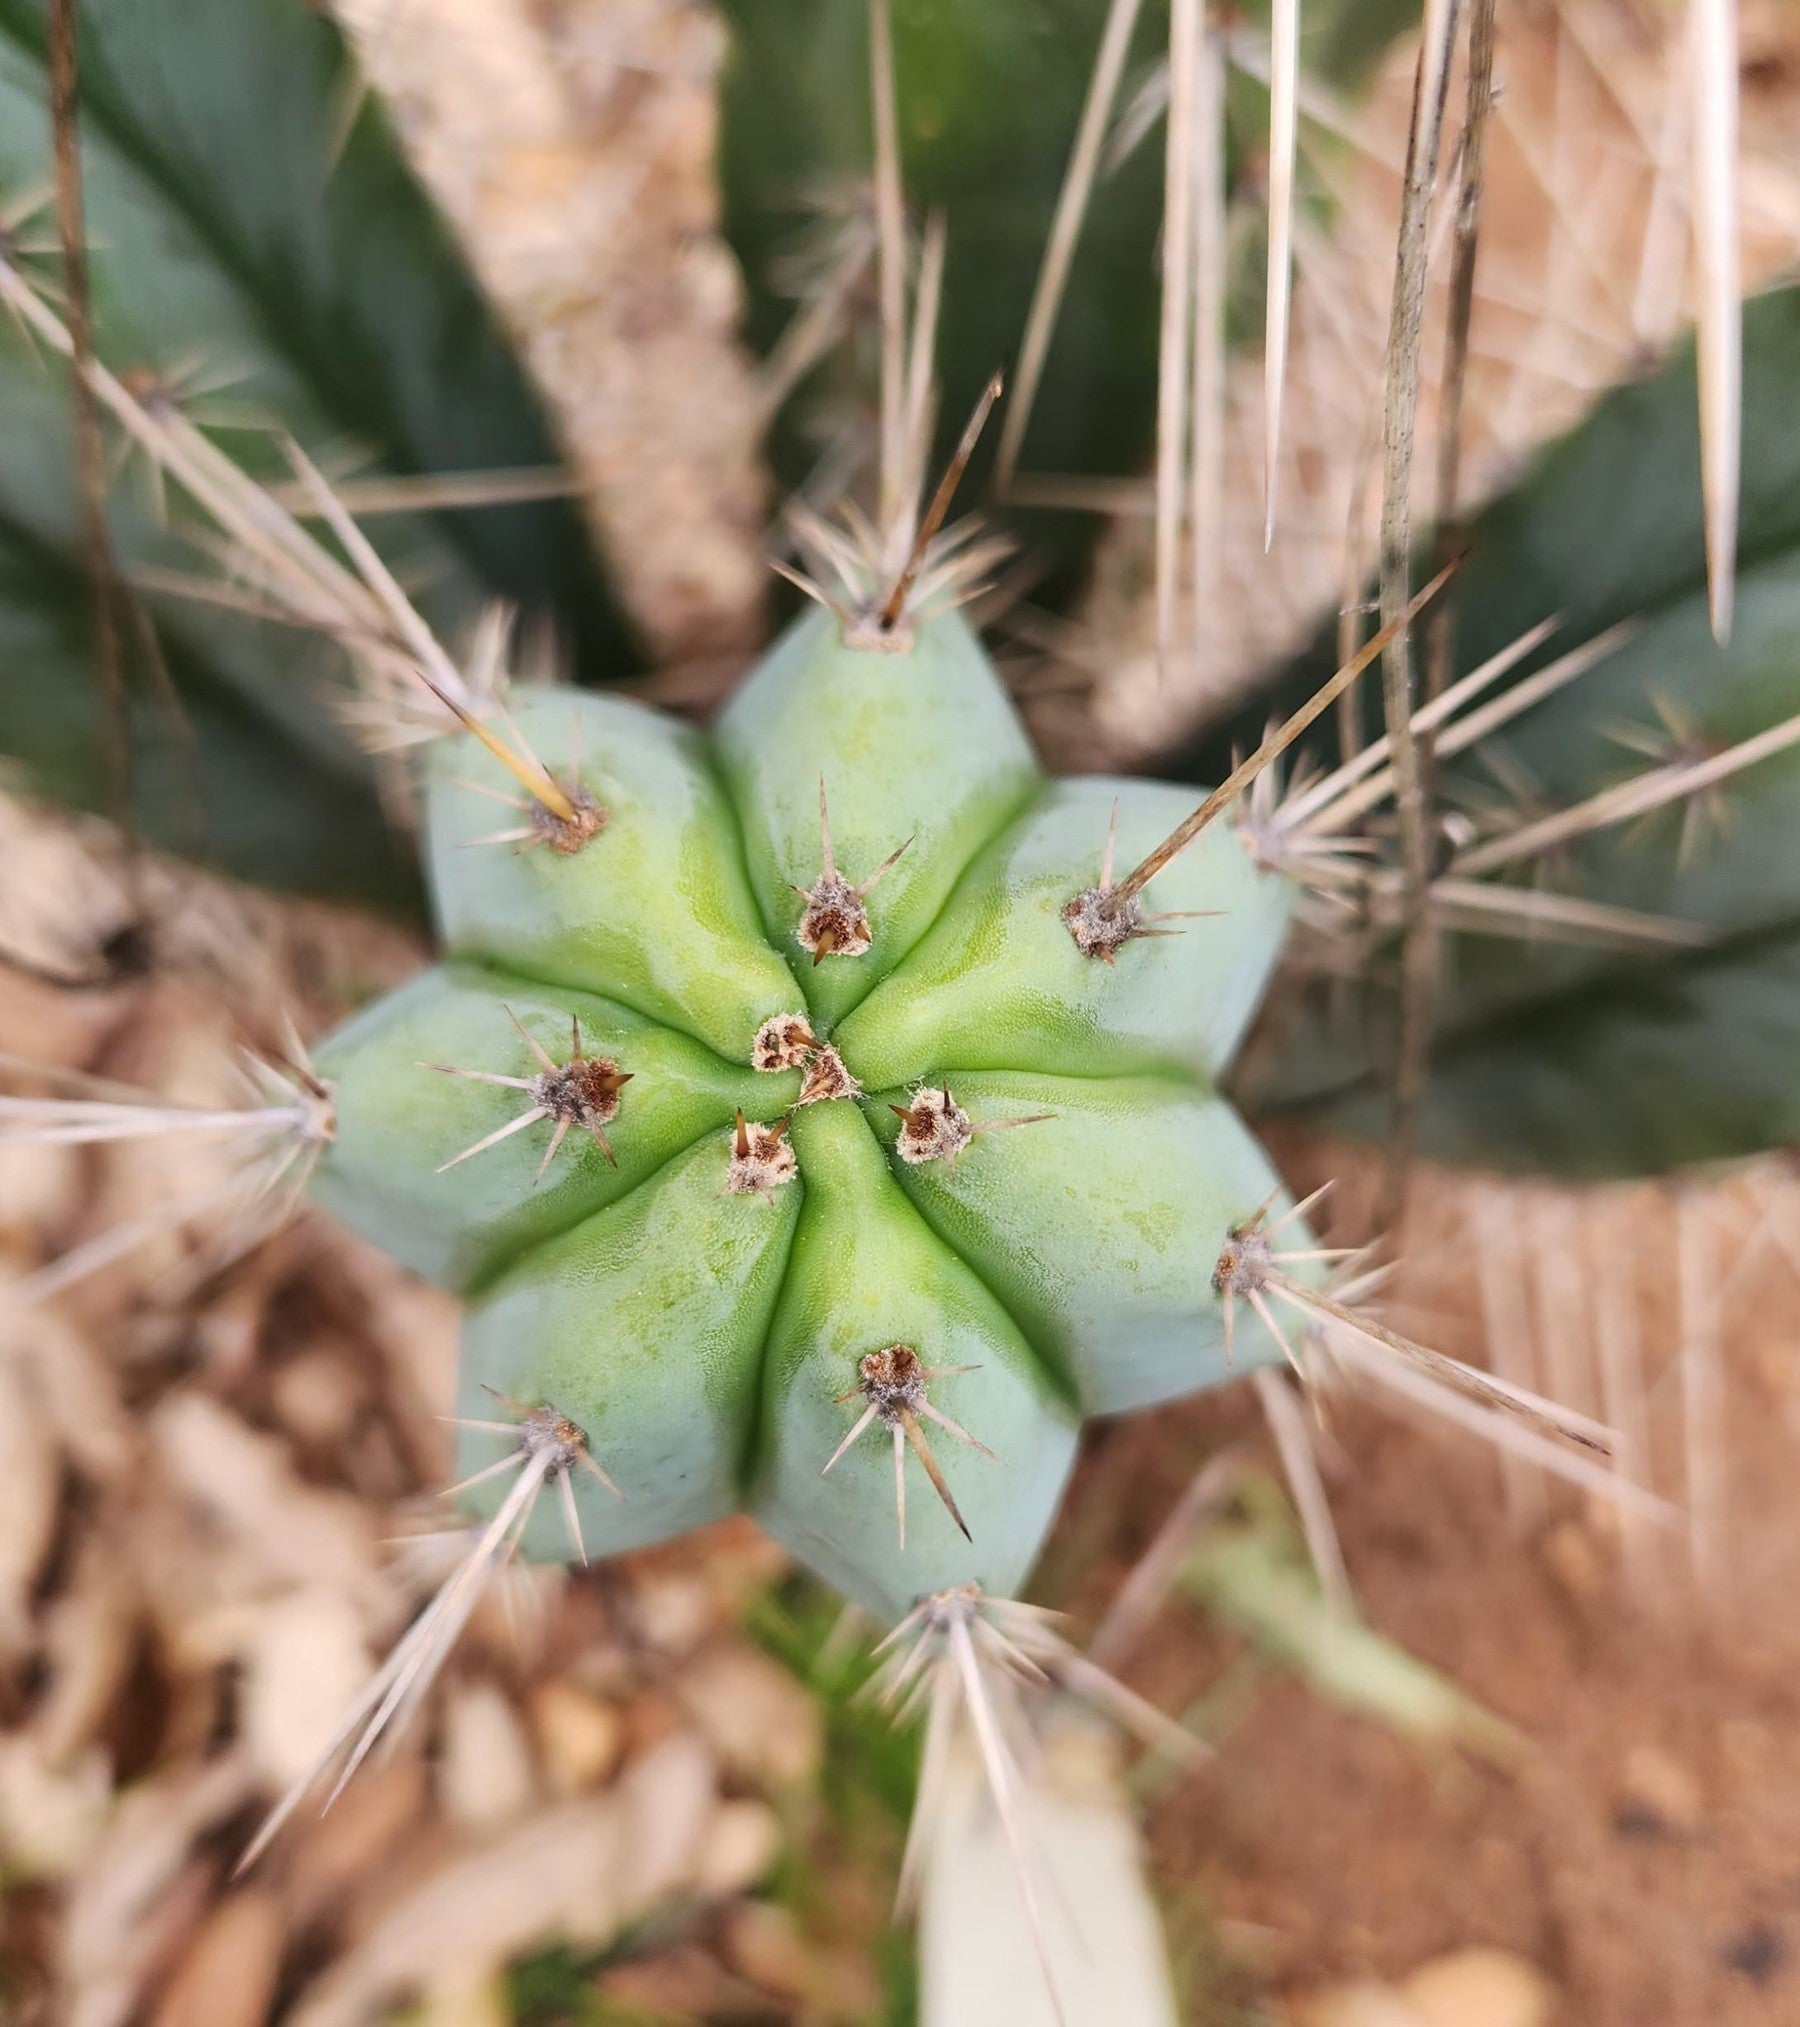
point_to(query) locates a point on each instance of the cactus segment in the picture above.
(1000, 982)
(653, 910)
(921, 749)
(400, 1121)
(645, 1326)
(868, 1274)
(1101, 1229)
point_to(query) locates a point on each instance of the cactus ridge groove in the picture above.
(1050, 1369)
(878, 973)
(485, 1284)
(755, 1421)
(512, 971)
(887, 961)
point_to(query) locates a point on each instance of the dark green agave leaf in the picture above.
(1595, 1062)
(225, 238)
(989, 94)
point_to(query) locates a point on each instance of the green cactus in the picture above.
(810, 1118)
(833, 954)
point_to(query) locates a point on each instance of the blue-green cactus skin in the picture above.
(707, 1339)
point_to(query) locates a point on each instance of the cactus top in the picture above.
(800, 1144)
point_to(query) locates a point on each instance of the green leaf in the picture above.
(989, 97)
(980, 1958)
(1601, 1061)
(329, 292)
(223, 785)
(1251, 1573)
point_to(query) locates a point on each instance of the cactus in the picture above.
(882, 1106)
(823, 1115)
(822, 1073)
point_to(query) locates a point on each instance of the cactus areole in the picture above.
(798, 1119)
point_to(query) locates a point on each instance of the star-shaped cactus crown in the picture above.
(717, 1166)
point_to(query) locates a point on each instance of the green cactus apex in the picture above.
(809, 1126)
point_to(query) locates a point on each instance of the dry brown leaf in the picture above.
(484, 1775)
(244, 1480)
(30, 1479)
(140, 1889)
(185, 1049)
(117, 1991)
(667, 1796)
(39, 1188)
(317, 1397)
(358, 1843)
(673, 1610)
(755, 1716)
(50, 1817)
(77, 1389)
(1363, 2003)
(467, 2002)
(741, 1846)
(1479, 1988)
(304, 1662)
(766, 1944)
(90, 1635)
(227, 1975)
(415, 1327)
(580, 1736)
(558, 1875)
(63, 896)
